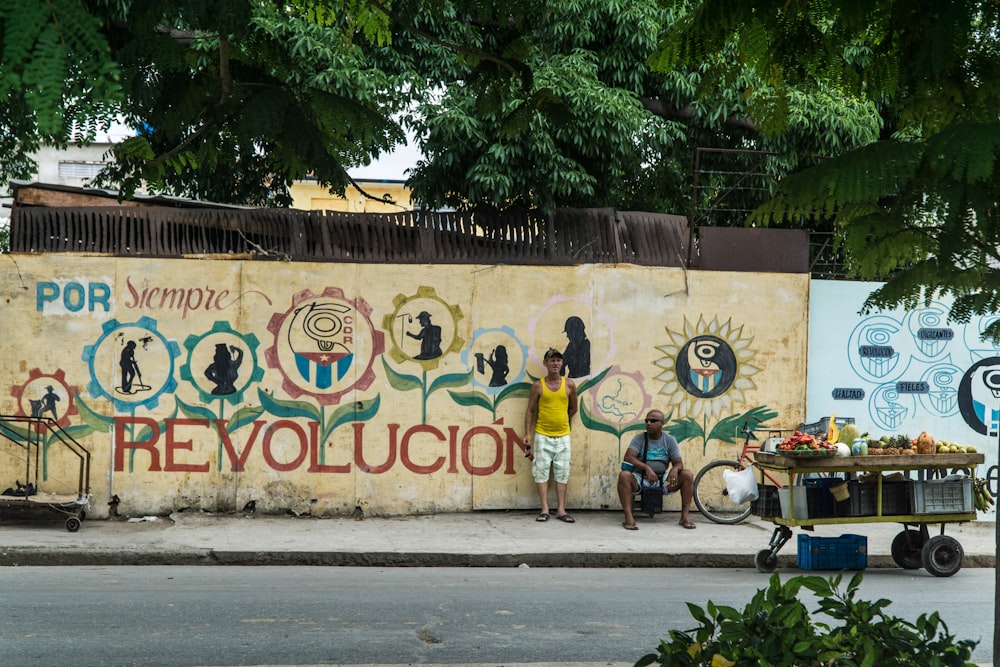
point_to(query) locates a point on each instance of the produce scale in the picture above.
(912, 489)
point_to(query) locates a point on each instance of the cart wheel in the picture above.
(942, 556)
(83, 515)
(765, 561)
(72, 524)
(906, 549)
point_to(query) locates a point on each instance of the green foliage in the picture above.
(593, 124)
(775, 629)
(919, 208)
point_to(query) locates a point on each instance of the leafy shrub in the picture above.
(775, 629)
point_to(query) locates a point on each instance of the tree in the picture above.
(516, 103)
(231, 100)
(582, 120)
(919, 207)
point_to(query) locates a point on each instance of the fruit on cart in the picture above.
(848, 434)
(925, 443)
(982, 498)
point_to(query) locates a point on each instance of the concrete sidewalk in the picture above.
(475, 539)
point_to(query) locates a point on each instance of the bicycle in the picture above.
(710, 494)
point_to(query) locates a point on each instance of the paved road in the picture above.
(182, 616)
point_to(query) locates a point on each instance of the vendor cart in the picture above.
(878, 489)
(23, 442)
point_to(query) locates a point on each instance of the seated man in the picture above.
(662, 451)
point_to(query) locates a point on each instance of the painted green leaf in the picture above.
(196, 411)
(96, 421)
(400, 381)
(78, 431)
(596, 424)
(244, 416)
(684, 429)
(587, 384)
(20, 432)
(517, 390)
(471, 398)
(357, 411)
(450, 380)
(287, 408)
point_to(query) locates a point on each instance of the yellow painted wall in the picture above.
(309, 196)
(331, 403)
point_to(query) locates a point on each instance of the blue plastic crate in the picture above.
(847, 552)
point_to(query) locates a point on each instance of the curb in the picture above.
(31, 557)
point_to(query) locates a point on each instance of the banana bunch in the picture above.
(982, 498)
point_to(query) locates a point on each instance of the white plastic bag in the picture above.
(741, 485)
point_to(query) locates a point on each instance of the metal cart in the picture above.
(26, 438)
(941, 555)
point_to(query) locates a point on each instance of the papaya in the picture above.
(925, 443)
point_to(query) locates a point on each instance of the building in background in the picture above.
(383, 179)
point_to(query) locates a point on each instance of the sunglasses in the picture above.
(653, 421)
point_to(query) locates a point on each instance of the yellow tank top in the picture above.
(553, 411)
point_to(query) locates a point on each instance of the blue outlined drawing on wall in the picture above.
(929, 330)
(493, 348)
(979, 396)
(889, 409)
(870, 352)
(146, 352)
(222, 364)
(941, 398)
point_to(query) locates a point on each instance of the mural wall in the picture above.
(314, 388)
(903, 371)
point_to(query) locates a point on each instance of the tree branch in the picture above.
(657, 107)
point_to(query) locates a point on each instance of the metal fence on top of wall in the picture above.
(570, 236)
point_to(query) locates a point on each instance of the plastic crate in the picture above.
(862, 500)
(847, 552)
(767, 504)
(801, 503)
(822, 427)
(821, 501)
(897, 497)
(942, 496)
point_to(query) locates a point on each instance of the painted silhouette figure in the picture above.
(429, 337)
(130, 369)
(576, 357)
(498, 365)
(224, 369)
(46, 403)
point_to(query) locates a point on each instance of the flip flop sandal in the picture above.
(566, 518)
(542, 517)
(630, 526)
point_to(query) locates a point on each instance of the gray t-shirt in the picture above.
(659, 453)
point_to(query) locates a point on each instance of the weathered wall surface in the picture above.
(317, 387)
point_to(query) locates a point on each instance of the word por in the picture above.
(73, 296)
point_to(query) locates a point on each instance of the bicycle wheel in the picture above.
(712, 498)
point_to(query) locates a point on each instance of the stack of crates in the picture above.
(847, 552)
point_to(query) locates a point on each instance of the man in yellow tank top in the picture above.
(551, 405)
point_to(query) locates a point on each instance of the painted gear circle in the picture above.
(508, 334)
(96, 356)
(325, 324)
(223, 329)
(36, 378)
(423, 293)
